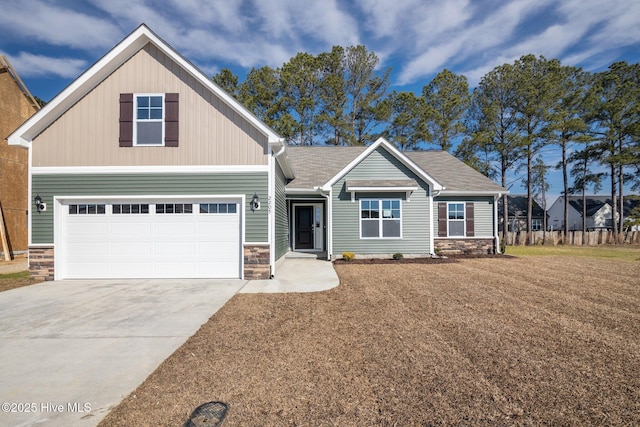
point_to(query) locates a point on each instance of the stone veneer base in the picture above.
(257, 262)
(465, 246)
(41, 263)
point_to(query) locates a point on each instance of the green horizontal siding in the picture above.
(415, 213)
(48, 186)
(282, 220)
(482, 211)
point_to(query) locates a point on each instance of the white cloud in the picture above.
(294, 20)
(487, 35)
(57, 26)
(29, 65)
(212, 14)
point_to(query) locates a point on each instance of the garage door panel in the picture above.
(151, 245)
(174, 227)
(83, 250)
(212, 248)
(128, 269)
(82, 269)
(128, 249)
(88, 229)
(175, 249)
(127, 228)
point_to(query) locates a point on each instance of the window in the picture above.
(149, 120)
(536, 224)
(87, 209)
(380, 219)
(174, 208)
(455, 216)
(218, 208)
(130, 208)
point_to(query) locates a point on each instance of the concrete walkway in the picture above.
(71, 350)
(297, 275)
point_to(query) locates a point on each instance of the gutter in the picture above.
(495, 221)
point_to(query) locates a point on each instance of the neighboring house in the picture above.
(517, 217)
(16, 106)
(598, 212)
(143, 167)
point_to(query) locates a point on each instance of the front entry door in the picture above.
(304, 227)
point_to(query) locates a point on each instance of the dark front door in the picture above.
(304, 227)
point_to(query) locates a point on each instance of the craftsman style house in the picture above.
(144, 168)
(16, 106)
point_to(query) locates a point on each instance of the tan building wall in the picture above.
(15, 108)
(210, 132)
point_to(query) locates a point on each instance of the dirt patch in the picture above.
(16, 281)
(436, 260)
(532, 341)
(372, 261)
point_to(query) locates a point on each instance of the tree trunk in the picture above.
(565, 179)
(529, 195)
(584, 210)
(614, 200)
(621, 204)
(505, 203)
(619, 239)
(544, 213)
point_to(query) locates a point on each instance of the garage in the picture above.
(149, 238)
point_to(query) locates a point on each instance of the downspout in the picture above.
(495, 221)
(434, 194)
(271, 206)
(432, 250)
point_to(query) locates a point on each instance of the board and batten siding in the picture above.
(281, 214)
(50, 185)
(210, 132)
(415, 213)
(482, 212)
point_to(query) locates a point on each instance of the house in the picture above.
(517, 216)
(377, 200)
(143, 167)
(599, 211)
(16, 105)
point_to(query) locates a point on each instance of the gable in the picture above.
(381, 166)
(211, 133)
(383, 144)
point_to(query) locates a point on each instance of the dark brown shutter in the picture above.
(126, 120)
(442, 219)
(470, 219)
(171, 120)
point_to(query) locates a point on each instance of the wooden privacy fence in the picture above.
(590, 238)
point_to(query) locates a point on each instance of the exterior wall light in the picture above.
(255, 202)
(39, 205)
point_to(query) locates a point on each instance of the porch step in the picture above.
(313, 255)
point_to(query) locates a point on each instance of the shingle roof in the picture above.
(517, 207)
(316, 165)
(594, 203)
(454, 174)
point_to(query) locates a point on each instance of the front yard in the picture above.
(522, 341)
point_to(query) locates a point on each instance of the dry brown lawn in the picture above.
(526, 341)
(16, 280)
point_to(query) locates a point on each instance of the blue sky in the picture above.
(50, 42)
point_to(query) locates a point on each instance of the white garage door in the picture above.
(150, 239)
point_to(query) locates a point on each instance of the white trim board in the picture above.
(60, 170)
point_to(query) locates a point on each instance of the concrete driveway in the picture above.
(72, 350)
